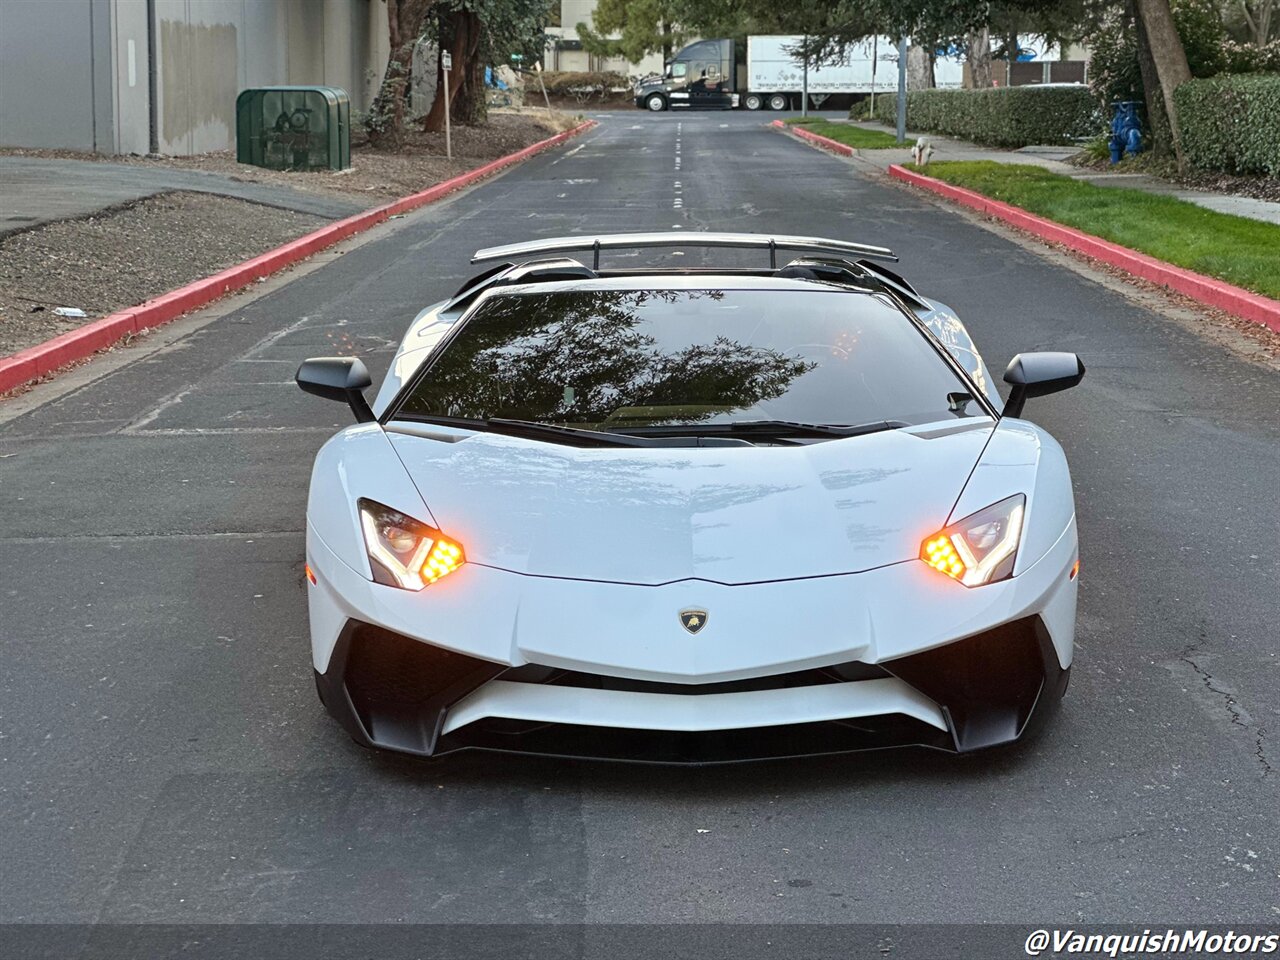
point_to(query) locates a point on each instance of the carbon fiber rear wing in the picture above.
(616, 241)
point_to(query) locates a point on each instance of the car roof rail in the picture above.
(676, 238)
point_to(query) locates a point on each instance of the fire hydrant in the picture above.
(1126, 130)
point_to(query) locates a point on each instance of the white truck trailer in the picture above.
(775, 76)
(703, 75)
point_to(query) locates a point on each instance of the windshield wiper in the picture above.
(764, 428)
(570, 436)
(661, 435)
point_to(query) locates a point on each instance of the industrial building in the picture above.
(162, 76)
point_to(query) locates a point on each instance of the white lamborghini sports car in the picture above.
(690, 515)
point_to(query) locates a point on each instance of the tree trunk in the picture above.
(979, 57)
(471, 106)
(1157, 123)
(667, 49)
(1170, 62)
(385, 123)
(453, 35)
(919, 69)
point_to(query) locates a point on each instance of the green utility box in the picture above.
(294, 128)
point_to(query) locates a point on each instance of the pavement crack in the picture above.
(1228, 699)
(1238, 716)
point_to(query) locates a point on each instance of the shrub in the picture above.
(1203, 36)
(861, 110)
(581, 85)
(1001, 116)
(1252, 58)
(1231, 123)
(1114, 73)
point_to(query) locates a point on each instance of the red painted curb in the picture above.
(44, 358)
(1207, 290)
(826, 143)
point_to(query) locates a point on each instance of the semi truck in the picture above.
(704, 75)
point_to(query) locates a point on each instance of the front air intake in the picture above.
(397, 688)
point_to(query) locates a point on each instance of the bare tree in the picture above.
(405, 21)
(1257, 16)
(1170, 62)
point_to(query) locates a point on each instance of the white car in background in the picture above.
(690, 515)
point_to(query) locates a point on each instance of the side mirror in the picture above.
(1037, 374)
(338, 378)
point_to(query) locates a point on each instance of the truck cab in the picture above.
(701, 76)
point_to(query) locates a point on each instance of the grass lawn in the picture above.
(847, 133)
(1241, 251)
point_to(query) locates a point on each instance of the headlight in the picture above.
(404, 552)
(982, 547)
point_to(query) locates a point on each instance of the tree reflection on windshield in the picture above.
(591, 357)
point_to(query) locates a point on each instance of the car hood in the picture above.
(724, 514)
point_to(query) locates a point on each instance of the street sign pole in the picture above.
(446, 64)
(547, 100)
(804, 86)
(902, 90)
(875, 52)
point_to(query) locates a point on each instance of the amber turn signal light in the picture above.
(939, 554)
(404, 552)
(982, 547)
(444, 558)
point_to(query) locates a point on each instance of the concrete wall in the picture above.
(130, 79)
(80, 80)
(198, 64)
(210, 50)
(56, 75)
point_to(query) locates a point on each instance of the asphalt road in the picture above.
(36, 190)
(163, 757)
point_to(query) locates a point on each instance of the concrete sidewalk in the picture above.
(1054, 158)
(37, 190)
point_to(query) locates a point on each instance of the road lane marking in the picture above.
(248, 535)
(567, 155)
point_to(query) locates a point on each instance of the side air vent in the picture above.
(536, 271)
(506, 274)
(862, 274)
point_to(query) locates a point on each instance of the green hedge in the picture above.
(583, 86)
(1231, 123)
(1001, 116)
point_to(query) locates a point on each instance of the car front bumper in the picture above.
(489, 659)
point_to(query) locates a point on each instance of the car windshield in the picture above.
(636, 359)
